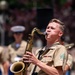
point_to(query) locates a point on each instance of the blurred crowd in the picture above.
(65, 10)
(21, 17)
(62, 9)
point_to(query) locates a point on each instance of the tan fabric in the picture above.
(1, 68)
(2, 55)
(55, 56)
(1, 49)
(2, 58)
(14, 52)
(70, 61)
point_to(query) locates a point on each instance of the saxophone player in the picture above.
(51, 59)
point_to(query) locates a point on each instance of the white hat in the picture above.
(17, 28)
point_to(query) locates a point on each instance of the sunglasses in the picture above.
(17, 32)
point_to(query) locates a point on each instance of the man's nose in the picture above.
(48, 30)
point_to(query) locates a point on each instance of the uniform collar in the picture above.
(51, 47)
(14, 45)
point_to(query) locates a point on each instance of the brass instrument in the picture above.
(19, 68)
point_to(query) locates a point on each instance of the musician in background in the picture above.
(17, 48)
(51, 59)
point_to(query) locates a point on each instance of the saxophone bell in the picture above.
(17, 68)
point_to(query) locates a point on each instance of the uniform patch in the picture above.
(62, 56)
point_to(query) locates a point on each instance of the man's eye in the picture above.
(52, 28)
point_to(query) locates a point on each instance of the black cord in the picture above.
(40, 52)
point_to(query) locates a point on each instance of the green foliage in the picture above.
(29, 4)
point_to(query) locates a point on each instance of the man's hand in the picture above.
(30, 58)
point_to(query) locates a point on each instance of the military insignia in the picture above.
(62, 56)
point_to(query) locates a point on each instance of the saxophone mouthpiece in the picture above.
(45, 33)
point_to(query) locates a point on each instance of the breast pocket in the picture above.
(47, 58)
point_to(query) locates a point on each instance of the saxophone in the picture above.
(19, 68)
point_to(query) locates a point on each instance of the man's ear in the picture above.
(60, 33)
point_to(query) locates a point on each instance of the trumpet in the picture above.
(20, 68)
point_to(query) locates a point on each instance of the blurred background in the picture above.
(36, 13)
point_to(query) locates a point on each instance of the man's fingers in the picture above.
(29, 53)
(27, 61)
(27, 56)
